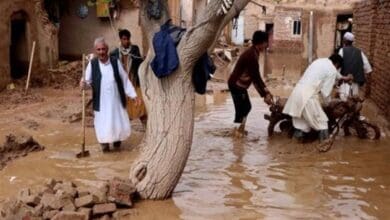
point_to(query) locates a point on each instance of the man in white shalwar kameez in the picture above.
(304, 104)
(110, 84)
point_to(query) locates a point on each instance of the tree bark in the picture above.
(170, 105)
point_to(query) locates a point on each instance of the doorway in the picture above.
(343, 25)
(238, 30)
(19, 45)
(269, 28)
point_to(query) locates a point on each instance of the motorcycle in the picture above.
(341, 114)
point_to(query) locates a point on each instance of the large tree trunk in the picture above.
(170, 105)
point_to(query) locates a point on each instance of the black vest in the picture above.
(96, 82)
(353, 64)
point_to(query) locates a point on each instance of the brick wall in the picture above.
(283, 38)
(38, 28)
(372, 32)
(284, 20)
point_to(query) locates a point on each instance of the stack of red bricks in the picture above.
(60, 200)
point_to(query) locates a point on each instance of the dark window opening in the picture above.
(343, 25)
(297, 27)
(56, 9)
(269, 28)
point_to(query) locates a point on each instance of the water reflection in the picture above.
(252, 178)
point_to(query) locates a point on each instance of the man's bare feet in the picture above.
(239, 133)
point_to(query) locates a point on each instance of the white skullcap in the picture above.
(349, 36)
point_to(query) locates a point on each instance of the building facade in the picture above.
(22, 23)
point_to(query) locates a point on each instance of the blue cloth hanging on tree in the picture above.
(166, 60)
(203, 68)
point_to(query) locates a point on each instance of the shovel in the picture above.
(83, 153)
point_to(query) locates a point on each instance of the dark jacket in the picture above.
(202, 70)
(353, 64)
(137, 60)
(96, 82)
(247, 72)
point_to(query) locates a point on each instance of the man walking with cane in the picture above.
(110, 86)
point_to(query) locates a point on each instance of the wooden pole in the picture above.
(83, 113)
(311, 35)
(30, 67)
(83, 153)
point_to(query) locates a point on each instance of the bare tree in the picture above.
(170, 101)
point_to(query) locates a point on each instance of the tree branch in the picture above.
(150, 25)
(238, 6)
(203, 35)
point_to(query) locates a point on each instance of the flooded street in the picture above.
(225, 178)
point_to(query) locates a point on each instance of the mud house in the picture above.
(22, 23)
(81, 23)
(291, 38)
(65, 29)
(309, 32)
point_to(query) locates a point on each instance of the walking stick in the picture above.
(83, 152)
(30, 67)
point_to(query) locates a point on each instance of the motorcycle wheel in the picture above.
(285, 126)
(372, 131)
(365, 130)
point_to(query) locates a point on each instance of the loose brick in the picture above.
(81, 191)
(105, 217)
(50, 214)
(105, 208)
(86, 201)
(69, 207)
(64, 215)
(86, 211)
(50, 201)
(120, 191)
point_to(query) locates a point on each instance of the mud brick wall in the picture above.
(284, 40)
(288, 46)
(372, 32)
(38, 28)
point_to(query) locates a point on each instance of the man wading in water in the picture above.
(130, 57)
(244, 74)
(110, 86)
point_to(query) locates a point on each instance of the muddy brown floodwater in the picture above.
(253, 178)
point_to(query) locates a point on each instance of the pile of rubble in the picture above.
(17, 96)
(67, 74)
(225, 53)
(60, 200)
(15, 147)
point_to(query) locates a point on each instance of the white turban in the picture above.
(349, 36)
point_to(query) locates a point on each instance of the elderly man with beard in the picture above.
(110, 86)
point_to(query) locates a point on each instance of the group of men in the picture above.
(311, 92)
(113, 76)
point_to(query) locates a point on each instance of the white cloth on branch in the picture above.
(304, 104)
(111, 121)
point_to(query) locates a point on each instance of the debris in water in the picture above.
(15, 147)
